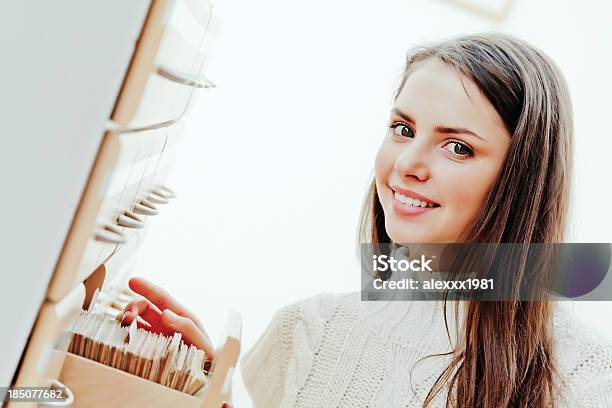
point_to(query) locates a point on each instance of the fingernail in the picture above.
(171, 315)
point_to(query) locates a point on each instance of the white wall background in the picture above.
(275, 161)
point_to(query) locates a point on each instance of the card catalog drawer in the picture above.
(97, 385)
(187, 43)
(117, 209)
(164, 164)
(121, 262)
(40, 365)
(104, 219)
(166, 67)
(81, 238)
(109, 233)
(163, 101)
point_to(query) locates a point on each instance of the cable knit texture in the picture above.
(337, 351)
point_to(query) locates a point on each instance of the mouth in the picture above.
(406, 202)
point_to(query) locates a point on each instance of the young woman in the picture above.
(478, 150)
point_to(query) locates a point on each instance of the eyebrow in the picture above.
(439, 128)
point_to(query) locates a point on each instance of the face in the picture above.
(440, 157)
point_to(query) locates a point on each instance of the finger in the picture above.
(128, 318)
(155, 326)
(160, 298)
(191, 333)
(145, 309)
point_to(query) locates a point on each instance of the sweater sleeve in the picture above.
(264, 366)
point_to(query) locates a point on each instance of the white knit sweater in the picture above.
(336, 351)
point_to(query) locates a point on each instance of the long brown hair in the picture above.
(504, 357)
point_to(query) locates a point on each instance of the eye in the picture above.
(458, 149)
(402, 130)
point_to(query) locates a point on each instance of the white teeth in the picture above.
(412, 201)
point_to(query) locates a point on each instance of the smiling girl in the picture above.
(478, 149)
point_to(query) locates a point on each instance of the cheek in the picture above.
(466, 191)
(385, 160)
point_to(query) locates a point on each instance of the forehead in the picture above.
(436, 93)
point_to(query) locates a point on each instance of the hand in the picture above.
(159, 312)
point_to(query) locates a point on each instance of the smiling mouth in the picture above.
(413, 202)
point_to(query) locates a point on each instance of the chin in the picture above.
(407, 234)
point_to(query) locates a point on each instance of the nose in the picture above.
(413, 161)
